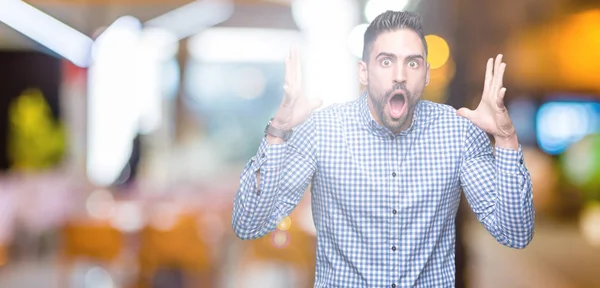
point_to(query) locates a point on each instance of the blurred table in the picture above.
(557, 257)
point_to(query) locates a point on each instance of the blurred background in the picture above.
(125, 125)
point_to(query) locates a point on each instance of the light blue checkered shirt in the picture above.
(384, 205)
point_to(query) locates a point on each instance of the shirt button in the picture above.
(394, 174)
(391, 137)
(393, 285)
(394, 211)
(263, 155)
(521, 161)
(258, 192)
(393, 248)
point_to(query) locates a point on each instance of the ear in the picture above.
(363, 73)
(427, 76)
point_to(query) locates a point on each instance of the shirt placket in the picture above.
(394, 240)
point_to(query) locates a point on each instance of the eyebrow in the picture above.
(416, 56)
(409, 57)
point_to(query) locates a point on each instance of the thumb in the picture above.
(465, 112)
(315, 102)
(288, 97)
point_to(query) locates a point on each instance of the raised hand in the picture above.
(295, 107)
(491, 115)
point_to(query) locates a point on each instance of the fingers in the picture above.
(315, 103)
(465, 112)
(500, 99)
(497, 63)
(294, 65)
(288, 99)
(298, 66)
(494, 79)
(488, 76)
(289, 79)
(288, 67)
(499, 67)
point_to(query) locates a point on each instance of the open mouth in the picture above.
(397, 104)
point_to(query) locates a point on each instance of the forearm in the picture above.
(498, 187)
(273, 183)
(271, 140)
(514, 212)
(255, 202)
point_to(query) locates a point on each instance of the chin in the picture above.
(395, 124)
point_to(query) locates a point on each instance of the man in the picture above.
(387, 169)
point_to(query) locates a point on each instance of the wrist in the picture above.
(281, 120)
(273, 140)
(508, 142)
(273, 132)
(280, 124)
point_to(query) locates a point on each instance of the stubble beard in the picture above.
(379, 103)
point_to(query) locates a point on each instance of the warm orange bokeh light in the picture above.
(577, 45)
(439, 51)
(562, 55)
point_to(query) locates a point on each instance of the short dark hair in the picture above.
(391, 21)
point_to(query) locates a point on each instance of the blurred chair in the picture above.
(95, 241)
(177, 248)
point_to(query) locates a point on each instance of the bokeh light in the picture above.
(561, 123)
(356, 40)
(544, 177)
(98, 277)
(280, 239)
(375, 7)
(251, 82)
(581, 165)
(165, 216)
(285, 224)
(589, 223)
(100, 204)
(577, 49)
(440, 78)
(439, 51)
(128, 217)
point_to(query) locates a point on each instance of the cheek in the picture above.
(379, 74)
(380, 84)
(417, 81)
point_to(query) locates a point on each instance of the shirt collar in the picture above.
(371, 123)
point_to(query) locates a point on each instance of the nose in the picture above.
(400, 74)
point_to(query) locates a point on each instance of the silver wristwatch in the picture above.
(276, 132)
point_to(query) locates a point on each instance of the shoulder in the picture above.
(442, 110)
(445, 114)
(336, 113)
(446, 118)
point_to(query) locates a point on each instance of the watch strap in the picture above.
(276, 132)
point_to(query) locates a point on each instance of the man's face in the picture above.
(395, 76)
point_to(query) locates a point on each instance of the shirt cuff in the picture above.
(509, 161)
(268, 157)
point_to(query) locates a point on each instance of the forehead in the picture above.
(402, 42)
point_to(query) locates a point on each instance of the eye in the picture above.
(386, 62)
(413, 64)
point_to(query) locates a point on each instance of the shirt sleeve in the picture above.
(498, 189)
(285, 172)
